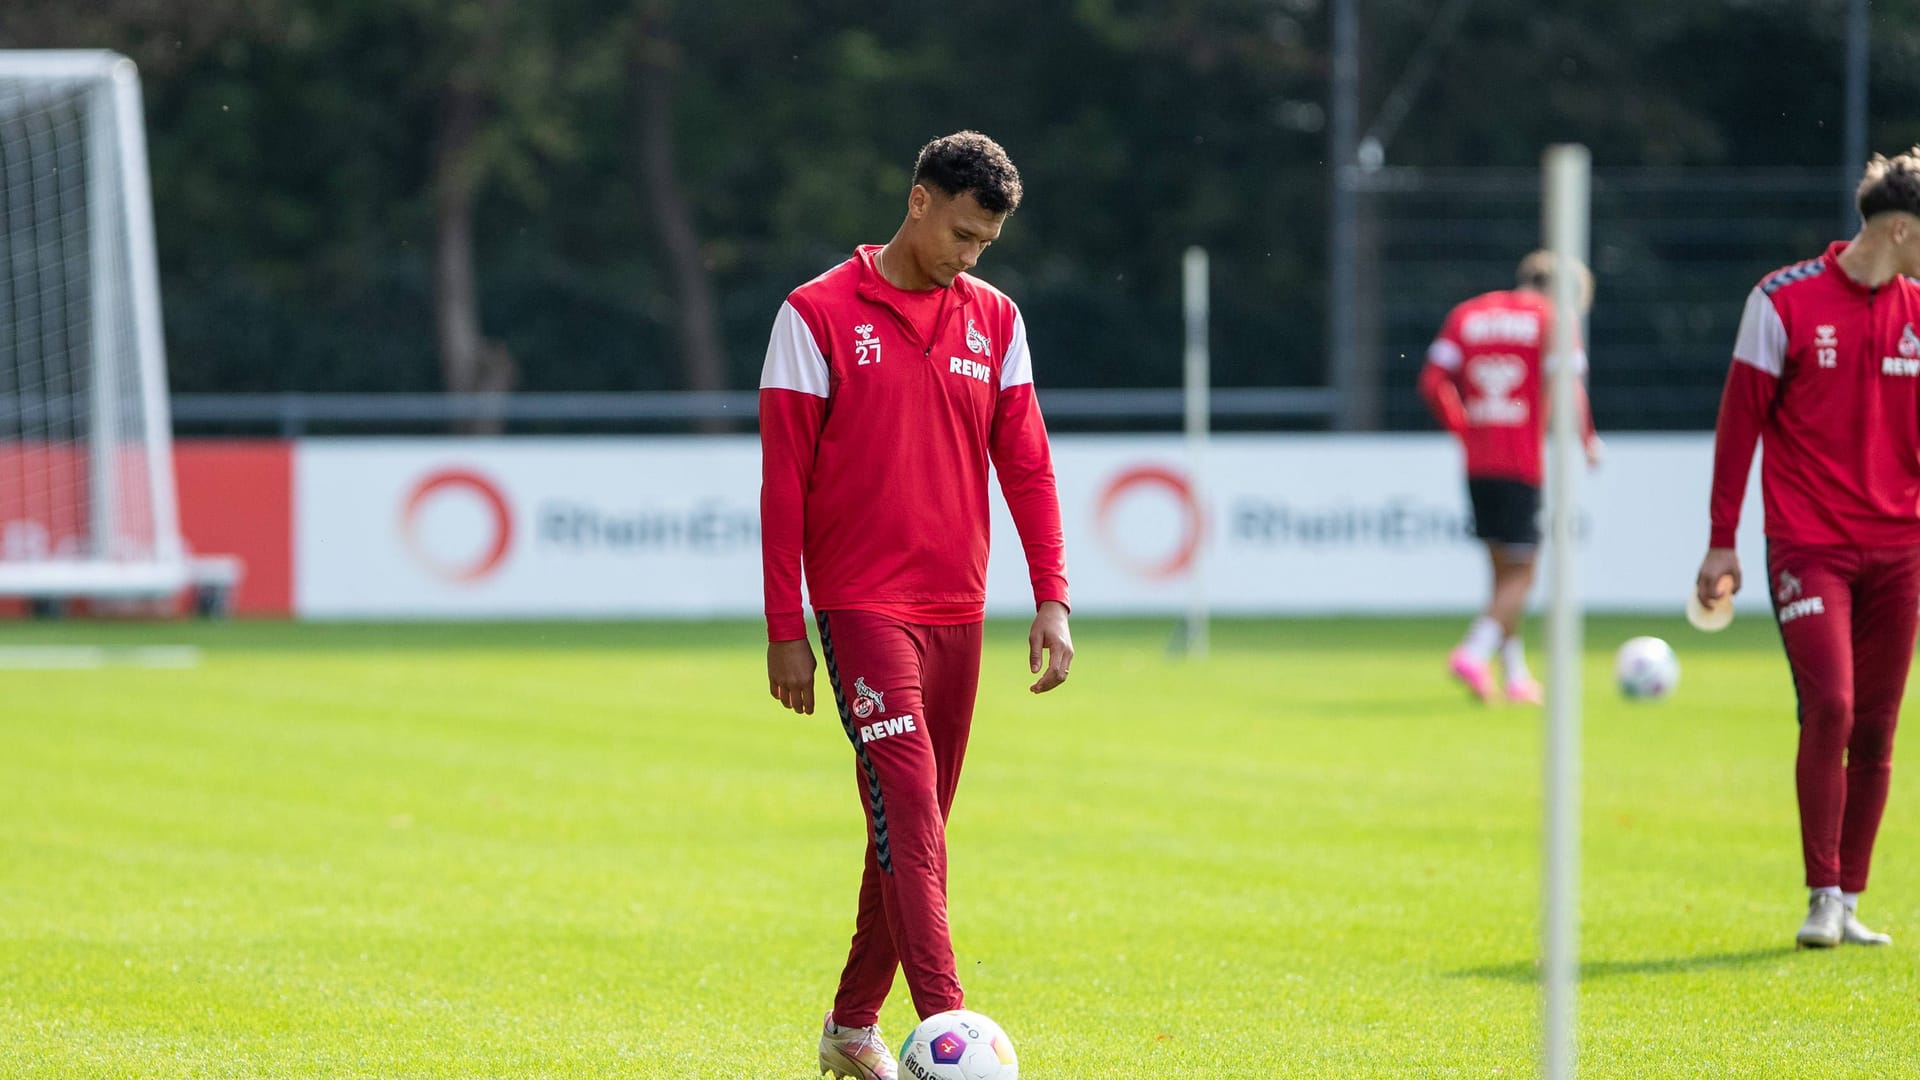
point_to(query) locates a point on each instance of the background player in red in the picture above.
(891, 383)
(1826, 369)
(1483, 382)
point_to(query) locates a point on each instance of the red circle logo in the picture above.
(446, 481)
(1193, 522)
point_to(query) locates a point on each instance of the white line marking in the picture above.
(93, 657)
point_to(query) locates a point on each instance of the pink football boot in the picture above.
(1526, 690)
(1474, 673)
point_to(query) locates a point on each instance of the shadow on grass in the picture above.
(1528, 971)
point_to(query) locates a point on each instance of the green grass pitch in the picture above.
(602, 851)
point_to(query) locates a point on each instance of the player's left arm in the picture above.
(1589, 436)
(1017, 444)
(1752, 388)
(1582, 404)
(794, 385)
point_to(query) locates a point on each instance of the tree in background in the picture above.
(361, 194)
(499, 116)
(653, 68)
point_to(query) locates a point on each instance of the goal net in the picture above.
(86, 461)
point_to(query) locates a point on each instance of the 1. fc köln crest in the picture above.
(866, 700)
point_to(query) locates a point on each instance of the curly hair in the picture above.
(1891, 183)
(969, 163)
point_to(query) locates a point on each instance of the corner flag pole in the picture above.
(1194, 281)
(1566, 208)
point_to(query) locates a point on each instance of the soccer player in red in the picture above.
(1483, 382)
(892, 382)
(1826, 370)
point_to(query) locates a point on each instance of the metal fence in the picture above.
(295, 415)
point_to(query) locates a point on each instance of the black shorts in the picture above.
(1505, 512)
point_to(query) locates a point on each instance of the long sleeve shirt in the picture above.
(1827, 372)
(881, 411)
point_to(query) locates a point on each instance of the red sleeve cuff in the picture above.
(1721, 536)
(1054, 590)
(786, 626)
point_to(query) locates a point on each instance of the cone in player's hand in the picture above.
(1719, 615)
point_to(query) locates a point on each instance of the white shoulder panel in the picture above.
(1762, 341)
(1017, 368)
(794, 359)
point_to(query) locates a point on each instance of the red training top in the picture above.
(880, 410)
(1483, 382)
(1828, 372)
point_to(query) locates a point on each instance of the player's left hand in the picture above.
(1050, 633)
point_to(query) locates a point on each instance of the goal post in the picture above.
(87, 500)
(1565, 216)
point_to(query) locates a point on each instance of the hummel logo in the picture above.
(866, 347)
(1495, 378)
(1826, 345)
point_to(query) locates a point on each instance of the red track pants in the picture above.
(1847, 618)
(905, 695)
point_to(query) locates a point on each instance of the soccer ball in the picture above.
(1646, 668)
(958, 1045)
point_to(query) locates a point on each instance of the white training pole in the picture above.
(1199, 416)
(1567, 171)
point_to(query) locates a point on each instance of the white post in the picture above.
(143, 266)
(1567, 170)
(1199, 418)
(104, 453)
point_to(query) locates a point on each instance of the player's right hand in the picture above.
(1719, 576)
(790, 674)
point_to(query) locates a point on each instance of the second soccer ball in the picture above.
(1646, 668)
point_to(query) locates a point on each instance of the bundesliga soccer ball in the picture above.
(958, 1045)
(1646, 668)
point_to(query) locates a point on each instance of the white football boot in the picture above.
(855, 1053)
(1855, 932)
(1825, 916)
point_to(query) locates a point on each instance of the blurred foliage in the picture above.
(293, 148)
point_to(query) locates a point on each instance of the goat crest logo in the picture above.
(1789, 587)
(1910, 343)
(867, 700)
(978, 342)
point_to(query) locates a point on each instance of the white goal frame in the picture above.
(117, 183)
